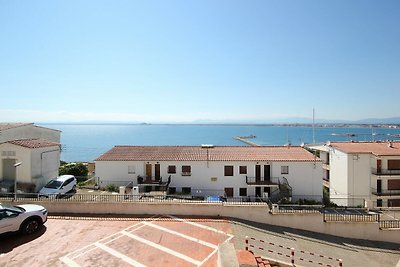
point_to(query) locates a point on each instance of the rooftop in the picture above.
(197, 153)
(390, 148)
(32, 143)
(6, 126)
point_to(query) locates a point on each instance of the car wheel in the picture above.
(30, 226)
(74, 188)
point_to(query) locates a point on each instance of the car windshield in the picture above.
(13, 208)
(53, 184)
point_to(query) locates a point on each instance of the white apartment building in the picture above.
(29, 156)
(236, 171)
(362, 173)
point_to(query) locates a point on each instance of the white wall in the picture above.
(45, 165)
(308, 222)
(23, 172)
(339, 176)
(38, 165)
(304, 177)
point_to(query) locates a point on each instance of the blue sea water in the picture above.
(81, 142)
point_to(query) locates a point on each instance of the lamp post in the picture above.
(15, 180)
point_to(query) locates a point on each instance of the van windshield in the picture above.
(53, 184)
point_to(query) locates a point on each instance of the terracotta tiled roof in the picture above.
(32, 143)
(6, 126)
(375, 148)
(197, 153)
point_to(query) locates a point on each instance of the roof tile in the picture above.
(197, 153)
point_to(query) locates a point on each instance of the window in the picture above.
(228, 171)
(394, 164)
(228, 191)
(284, 169)
(186, 170)
(172, 190)
(242, 169)
(171, 169)
(186, 190)
(243, 192)
(131, 169)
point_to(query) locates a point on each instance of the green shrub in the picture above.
(112, 188)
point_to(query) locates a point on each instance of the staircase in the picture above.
(283, 192)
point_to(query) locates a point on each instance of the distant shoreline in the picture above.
(317, 125)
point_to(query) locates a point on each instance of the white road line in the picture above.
(162, 248)
(199, 225)
(69, 262)
(182, 235)
(119, 255)
(117, 234)
(212, 253)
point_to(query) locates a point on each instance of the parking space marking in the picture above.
(199, 225)
(205, 243)
(162, 248)
(119, 255)
(129, 232)
(69, 262)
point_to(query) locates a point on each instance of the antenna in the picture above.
(313, 125)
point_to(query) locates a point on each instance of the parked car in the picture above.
(216, 199)
(26, 218)
(59, 186)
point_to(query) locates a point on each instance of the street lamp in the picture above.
(15, 180)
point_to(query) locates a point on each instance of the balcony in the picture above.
(273, 182)
(386, 193)
(385, 172)
(148, 181)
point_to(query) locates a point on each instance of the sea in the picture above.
(86, 142)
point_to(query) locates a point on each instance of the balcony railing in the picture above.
(385, 172)
(272, 182)
(387, 193)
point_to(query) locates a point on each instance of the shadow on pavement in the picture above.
(10, 241)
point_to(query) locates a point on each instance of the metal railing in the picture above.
(385, 172)
(120, 198)
(289, 209)
(352, 217)
(273, 181)
(386, 192)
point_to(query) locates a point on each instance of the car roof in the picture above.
(62, 178)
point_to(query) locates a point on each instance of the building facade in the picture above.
(29, 156)
(208, 170)
(362, 173)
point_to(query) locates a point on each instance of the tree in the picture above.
(76, 169)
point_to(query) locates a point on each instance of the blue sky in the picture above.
(181, 61)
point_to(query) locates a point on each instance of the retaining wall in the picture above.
(260, 214)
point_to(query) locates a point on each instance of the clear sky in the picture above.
(179, 61)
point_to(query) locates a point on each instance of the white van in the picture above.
(60, 186)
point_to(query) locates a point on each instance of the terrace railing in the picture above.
(341, 216)
(387, 192)
(385, 172)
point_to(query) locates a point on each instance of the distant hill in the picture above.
(394, 120)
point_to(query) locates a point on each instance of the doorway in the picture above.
(258, 191)
(267, 172)
(157, 172)
(9, 171)
(258, 173)
(148, 171)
